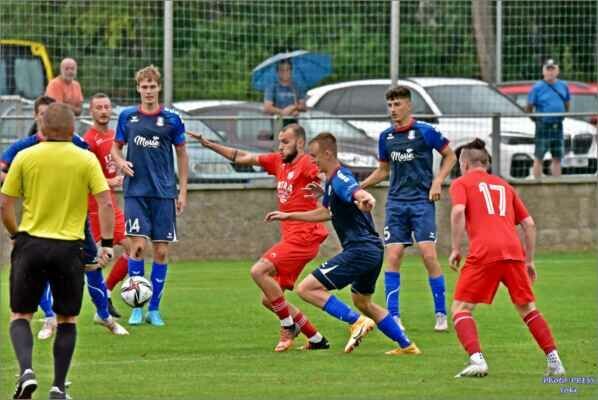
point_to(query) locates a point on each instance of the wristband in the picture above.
(234, 158)
(107, 242)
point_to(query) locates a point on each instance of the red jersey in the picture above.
(291, 178)
(492, 211)
(100, 144)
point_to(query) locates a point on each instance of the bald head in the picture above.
(59, 122)
(68, 69)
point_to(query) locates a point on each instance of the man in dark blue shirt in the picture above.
(406, 154)
(151, 201)
(359, 264)
(549, 95)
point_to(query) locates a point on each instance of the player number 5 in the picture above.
(502, 204)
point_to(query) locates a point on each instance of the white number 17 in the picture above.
(502, 203)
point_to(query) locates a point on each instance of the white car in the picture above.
(433, 98)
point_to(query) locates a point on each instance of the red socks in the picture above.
(281, 308)
(303, 323)
(540, 330)
(119, 271)
(467, 332)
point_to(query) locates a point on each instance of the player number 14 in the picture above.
(502, 204)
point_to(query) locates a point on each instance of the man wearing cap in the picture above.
(549, 95)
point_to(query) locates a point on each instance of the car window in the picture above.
(29, 77)
(368, 100)
(248, 130)
(3, 78)
(198, 126)
(332, 102)
(471, 99)
(337, 127)
(521, 100)
(584, 103)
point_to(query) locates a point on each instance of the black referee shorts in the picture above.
(35, 261)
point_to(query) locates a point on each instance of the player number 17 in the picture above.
(502, 203)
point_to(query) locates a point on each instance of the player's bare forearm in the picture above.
(106, 214)
(183, 166)
(9, 216)
(529, 238)
(235, 155)
(377, 176)
(449, 159)
(320, 214)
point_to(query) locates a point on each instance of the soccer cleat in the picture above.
(26, 385)
(114, 327)
(477, 369)
(399, 323)
(154, 318)
(321, 345)
(412, 349)
(48, 328)
(112, 310)
(136, 317)
(57, 394)
(359, 330)
(441, 323)
(555, 369)
(287, 335)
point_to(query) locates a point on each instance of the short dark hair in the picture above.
(398, 92)
(98, 95)
(286, 61)
(326, 141)
(42, 101)
(475, 152)
(297, 129)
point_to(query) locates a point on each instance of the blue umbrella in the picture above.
(308, 69)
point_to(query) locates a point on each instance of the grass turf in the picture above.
(218, 343)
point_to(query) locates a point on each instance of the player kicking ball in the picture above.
(359, 263)
(489, 209)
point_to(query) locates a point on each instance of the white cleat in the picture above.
(555, 369)
(399, 323)
(114, 327)
(48, 328)
(477, 367)
(441, 323)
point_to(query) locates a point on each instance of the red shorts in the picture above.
(478, 283)
(289, 260)
(119, 225)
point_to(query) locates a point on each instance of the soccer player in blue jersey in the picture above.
(405, 153)
(151, 201)
(359, 264)
(95, 281)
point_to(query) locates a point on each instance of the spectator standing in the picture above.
(64, 88)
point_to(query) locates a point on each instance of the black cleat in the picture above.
(26, 385)
(57, 394)
(321, 345)
(111, 310)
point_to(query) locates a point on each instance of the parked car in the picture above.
(584, 96)
(16, 119)
(25, 68)
(443, 97)
(205, 166)
(247, 126)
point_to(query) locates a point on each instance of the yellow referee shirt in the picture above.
(54, 179)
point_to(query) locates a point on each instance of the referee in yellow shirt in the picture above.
(54, 179)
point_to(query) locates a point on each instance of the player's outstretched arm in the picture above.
(457, 234)
(364, 200)
(446, 165)
(529, 243)
(377, 176)
(117, 155)
(235, 155)
(320, 214)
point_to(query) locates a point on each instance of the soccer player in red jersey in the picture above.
(280, 266)
(100, 139)
(489, 209)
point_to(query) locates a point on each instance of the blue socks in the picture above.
(158, 279)
(438, 288)
(45, 302)
(98, 293)
(136, 267)
(390, 328)
(392, 284)
(340, 310)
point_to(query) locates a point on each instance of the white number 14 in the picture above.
(502, 203)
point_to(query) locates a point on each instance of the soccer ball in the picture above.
(136, 291)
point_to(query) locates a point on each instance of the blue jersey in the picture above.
(409, 153)
(149, 139)
(11, 152)
(353, 226)
(549, 98)
(283, 96)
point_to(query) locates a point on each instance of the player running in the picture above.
(359, 263)
(280, 266)
(150, 190)
(488, 208)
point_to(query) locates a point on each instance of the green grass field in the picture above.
(218, 344)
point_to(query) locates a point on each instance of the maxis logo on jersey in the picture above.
(399, 156)
(153, 143)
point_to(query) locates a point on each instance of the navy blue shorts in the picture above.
(151, 217)
(358, 266)
(549, 138)
(90, 250)
(406, 221)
